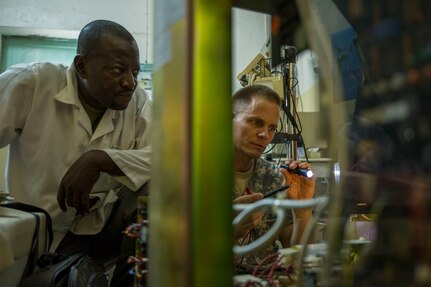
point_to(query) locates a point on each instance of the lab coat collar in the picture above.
(69, 95)
(106, 124)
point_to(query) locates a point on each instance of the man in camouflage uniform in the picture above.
(255, 119)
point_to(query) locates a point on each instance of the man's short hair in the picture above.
(244, 95)
(90, 35)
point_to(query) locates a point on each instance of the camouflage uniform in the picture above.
(264, 179)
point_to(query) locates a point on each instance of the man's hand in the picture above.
(253, 220)
(78, 181)
(300, 187)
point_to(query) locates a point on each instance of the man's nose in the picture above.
(263, 133)
(129, 80)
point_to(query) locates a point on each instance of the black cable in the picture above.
(299, 123)
(289, 97)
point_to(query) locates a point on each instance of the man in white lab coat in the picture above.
(78, 139)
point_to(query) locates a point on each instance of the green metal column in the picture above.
(212, 144)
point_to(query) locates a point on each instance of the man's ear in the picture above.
(80, 66)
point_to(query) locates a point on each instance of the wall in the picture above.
(65, 18)
(250, 32)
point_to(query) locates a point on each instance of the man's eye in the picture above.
(257, 123)
(117, 70)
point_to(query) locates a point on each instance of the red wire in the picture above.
(267, 258)
(271, 273)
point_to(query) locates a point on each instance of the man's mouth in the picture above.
(258, 146)
(126, 95)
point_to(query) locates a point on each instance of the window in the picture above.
(20, 49)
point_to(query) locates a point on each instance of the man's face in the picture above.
(109, 77)
(254, 127)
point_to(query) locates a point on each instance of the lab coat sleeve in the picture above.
(136, 163)
(17, 86)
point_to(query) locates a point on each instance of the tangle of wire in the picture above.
(270, 269)
(275, 267)
(289, 96)
(270, 272)
(139, 232)
(245, 240)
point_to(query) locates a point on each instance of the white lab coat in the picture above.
(47, 129)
